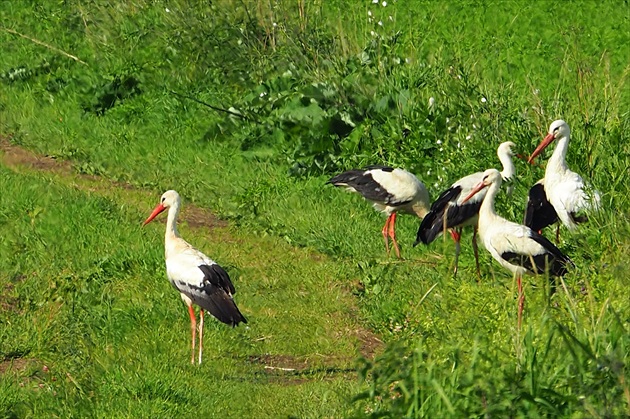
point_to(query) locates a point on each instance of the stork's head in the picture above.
(506, 149)
(490, 176)
(168, 199)
(557, 129)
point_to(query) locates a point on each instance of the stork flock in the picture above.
(521, 249)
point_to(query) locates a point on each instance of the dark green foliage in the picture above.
(298, 91)
(117, 90)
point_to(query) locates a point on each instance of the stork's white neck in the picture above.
(487, 206)
(171, 222)
(508, 166)
(557, 162)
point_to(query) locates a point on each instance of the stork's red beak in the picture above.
(476, 189)
(154, 214)
(545, 142)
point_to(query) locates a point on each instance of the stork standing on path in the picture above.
(390, 191)
(450, 211)
(560, 194)
(198, 278)
(516, 247)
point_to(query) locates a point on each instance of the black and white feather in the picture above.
(561, 195)
(388, 189)
(516, 247)
(203, 282)
(449, 211)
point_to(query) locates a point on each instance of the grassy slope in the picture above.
(111, 321)
(578, 66)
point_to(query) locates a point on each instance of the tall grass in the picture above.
(300, 90)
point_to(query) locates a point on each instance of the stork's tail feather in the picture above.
(346, 178)
(216, 295)
(430, 227)
(222, 306)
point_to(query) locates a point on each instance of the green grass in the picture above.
(85, 294)
(453, 343)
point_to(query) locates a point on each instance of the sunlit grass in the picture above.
(300, 71)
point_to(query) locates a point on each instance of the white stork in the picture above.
(516, 247)
(560, 194)
(450, 211)
(390, 191)
(198, 278)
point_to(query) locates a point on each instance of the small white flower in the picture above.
(441, 149)
(435, 185)
(407, 60)
(468, 137)
(390, 18)
(438, 142)
(432, 102)
(447, 120)
(167, 10)
(474, 126)
(536, 91)
(483, 100)
(369, 13)
(375, 1)
(274, 24)
(384, 4)
(428, 172)
(380, 23)
(459, 145)
(262, 94)
(372, 33)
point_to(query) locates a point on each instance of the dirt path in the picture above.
(21, 160)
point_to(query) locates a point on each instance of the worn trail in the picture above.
(249, 257)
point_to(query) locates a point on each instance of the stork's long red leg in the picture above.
(476, 250)
(201, 313)
(392, 233)
(193, 327)
(384, 232)
(456, 235)
(521, 300)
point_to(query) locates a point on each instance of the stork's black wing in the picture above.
(539, 213)
(214, 294)
(445, 206)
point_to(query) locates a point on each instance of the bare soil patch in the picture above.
(15, 156)
(15, 365)
(8, 303)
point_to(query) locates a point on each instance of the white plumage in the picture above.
(198, 278)
(390, 190)
(563, 191)
(450, 211)
(516, 247)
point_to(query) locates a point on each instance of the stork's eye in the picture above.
(163, 198)
(556, 129)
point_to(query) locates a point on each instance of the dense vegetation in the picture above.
(246, 109)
